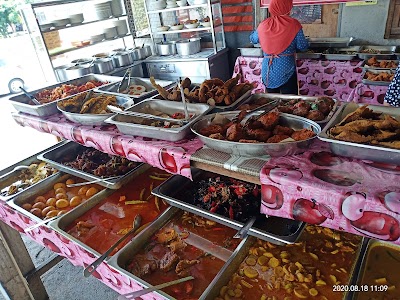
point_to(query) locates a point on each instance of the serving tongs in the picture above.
(266, 109)
(125, 82)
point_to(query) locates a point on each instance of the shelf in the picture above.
(176, 8)
(81, 24)
(183, 30)
(77, 48)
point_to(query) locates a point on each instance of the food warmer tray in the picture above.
(308, 55)
(363, 261)
(55, 156)
(241, 252)
(122, 257)
(286, 97)
(251, 51)
(376, 71)
(150, 90)
(219, 108)
(366, 67)
(38, 190)
(8, 175)
(273, 229)
(330, 42)
(387, 52)
(361, 151)
(342, 56)
(21, 101)
(169, 107)
(258, 149)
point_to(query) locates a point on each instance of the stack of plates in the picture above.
(103, 10)
(110, 32)
(116, 8)
(157, 5)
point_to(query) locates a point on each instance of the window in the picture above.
(393, 20)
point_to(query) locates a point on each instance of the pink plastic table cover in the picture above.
(173, 157)
(318, 187)
(370, 94)
(72, 251)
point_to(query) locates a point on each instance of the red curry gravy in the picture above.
(104, 224)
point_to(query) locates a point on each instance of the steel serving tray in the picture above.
(9, 176)
(361, 151)
(386, 52)
(371, 243)
(330, 42)
(273, 229)
(219, 108)
(242, 251)
(150, 90)
(21, 101)
(126, 125)
(38, 190)
(342, 56)
(95, 119)
(308, 55)
(258, 149)
(286, 97)
(376, 71)
(251, 52)
(57, 155)
(123, 256)
(365, 66)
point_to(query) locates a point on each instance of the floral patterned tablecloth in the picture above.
(318, 187)
(173, 157)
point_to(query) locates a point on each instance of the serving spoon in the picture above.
(93, 266)
(17, 168)
(34, 100)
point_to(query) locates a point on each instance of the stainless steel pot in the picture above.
(137, 53)
(103, 65)
(80, 61)
(60, 72)
(188, 47)
(166, 48)
(147, 50)
(122, 58)
(79, 70)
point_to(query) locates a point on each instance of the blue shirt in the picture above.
(393, 93)
(282, 68)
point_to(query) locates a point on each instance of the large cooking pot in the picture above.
(60, 72)
(103, 65)
(122, 58)
(137, 53)
(79, 70)
(188, 47)
(147, 50)
(166, 48)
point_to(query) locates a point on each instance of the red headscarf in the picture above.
(278, 31)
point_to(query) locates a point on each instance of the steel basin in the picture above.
(188, 47)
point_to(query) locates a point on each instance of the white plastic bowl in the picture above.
(205, 24)
(177, 27)
(163, 28)
(192, 26)
(181, 3)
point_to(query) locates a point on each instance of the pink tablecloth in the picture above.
(336, 192)
(173, 157)
(250, 70)
(370, 94)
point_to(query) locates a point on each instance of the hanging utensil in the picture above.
(125, 82)
(34, 100)
(92, 181)
(136, 294)
(92, 267)
(242, 233)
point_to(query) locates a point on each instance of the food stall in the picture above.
(298, 201)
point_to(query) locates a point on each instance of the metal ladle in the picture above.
(92, 267)
(34, 100)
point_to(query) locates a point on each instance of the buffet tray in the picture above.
(308, 55)
(38, 190)
(258, 149)
(251, 52)
(55, 156)
(122, 257)
(169, 107)
(376, 71)
(387, 52)
(286, 97)
(342, 56)
(360, 151)
(150, 90)
(330, 42)
(369, 68)
(219, 108)
(21, 101)
(8, 175)
(276, 230)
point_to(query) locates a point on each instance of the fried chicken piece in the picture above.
(163, 92)
(269, 120)
(277, 138)
(259, 134)
(245, 107)
(241, 115)
(230, 83)
(363, 112)
(73, 104)
(372, 61)
(382, 135)
(248, 141)
(285, 109)
(324, 107)
(234, 132)
(185, 83)
(216, 136)
(392, 144)
(87, 105)
(301, 111)
(211, 129)
(302, 134)
(315, 115)
(327, 100)
(166, 235)
(282, 130)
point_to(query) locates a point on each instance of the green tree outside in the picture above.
(9, 14)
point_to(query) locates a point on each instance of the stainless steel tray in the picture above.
(9, 176)
(57, 155)
(342, 56)
(21, 101)
(126, 125)
(387, 52)
(376, 71)
(369, 68)
(258, 149)
(361, 151)
(273, 229)
(150, 90)
(307, 55)
(95, 119)
(286, 97)
(39, 189)
(122, 257)
(251, 52)
(219, 108)
(330, 42)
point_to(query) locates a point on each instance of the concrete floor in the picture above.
(64, 281)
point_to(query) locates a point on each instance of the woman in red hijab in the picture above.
(280, 36)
